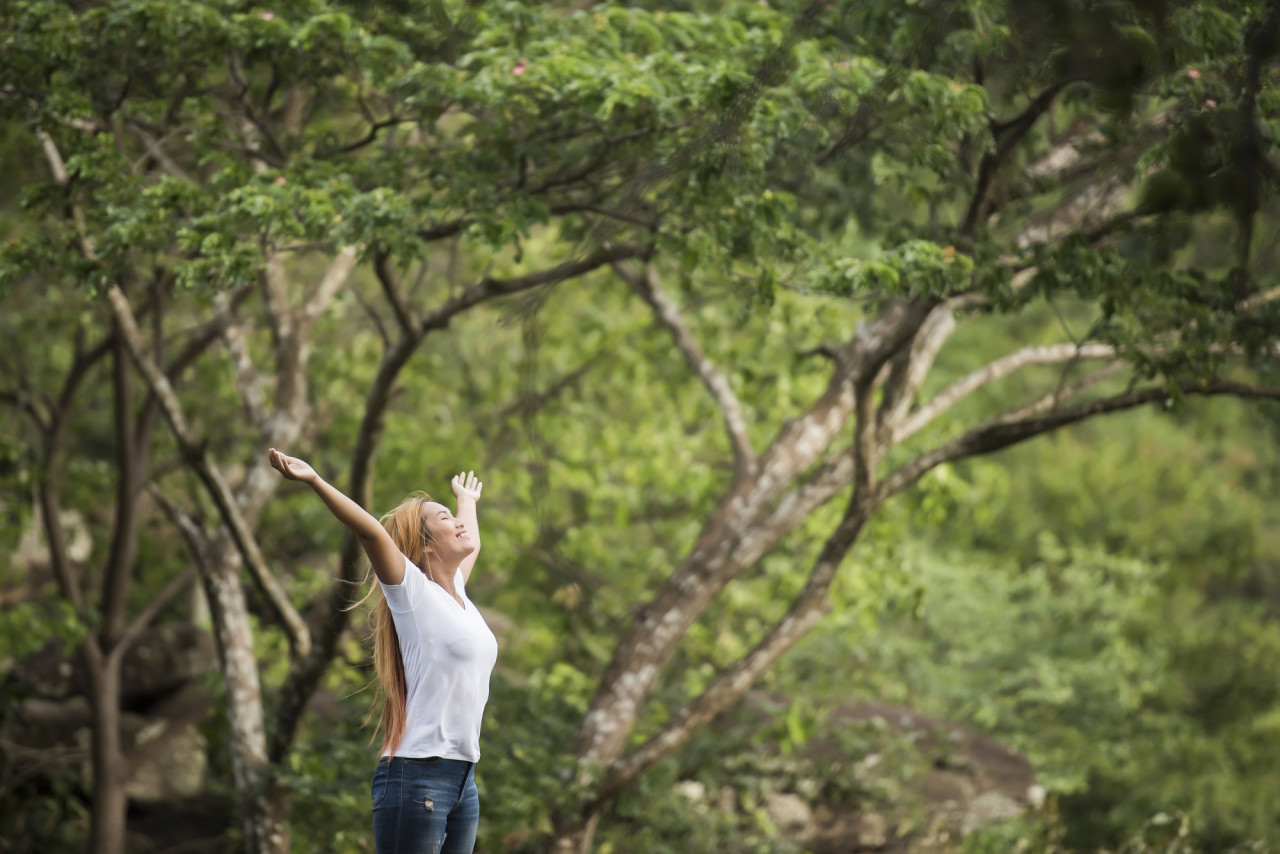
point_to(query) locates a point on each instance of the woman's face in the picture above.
(450, 539)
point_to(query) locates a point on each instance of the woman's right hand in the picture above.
(292, 467)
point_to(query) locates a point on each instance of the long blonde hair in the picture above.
(408, 529)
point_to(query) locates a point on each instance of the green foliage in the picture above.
(28, 627)
(764, 157)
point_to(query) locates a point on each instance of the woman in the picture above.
(433, 653)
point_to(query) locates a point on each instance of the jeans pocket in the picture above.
(381, 782)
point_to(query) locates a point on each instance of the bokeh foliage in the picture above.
(1104, 599)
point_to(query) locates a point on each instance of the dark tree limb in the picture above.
(1003, 432)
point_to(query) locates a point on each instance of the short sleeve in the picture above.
(403, 596)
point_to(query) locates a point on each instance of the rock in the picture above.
(989, 807)
(42, 723)
(727, 800)
(789, 812)
(873, 830)
(692, 789)
(163, 660)
(965, 780)
(176, 771)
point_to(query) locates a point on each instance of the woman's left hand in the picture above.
(465, 485)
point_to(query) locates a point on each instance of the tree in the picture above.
(918, 165)
(1153, 320)
(205, 166)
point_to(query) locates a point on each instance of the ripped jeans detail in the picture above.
(424, 806)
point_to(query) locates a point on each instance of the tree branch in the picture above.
(806, 612)
(1007, 135)
(865, 448)
(211, 476)
(647, 287)
(155, 148)
(330, 613)
(909, 369)
(47, 492)
(393, 289)
(989, 373)
(1003, 432)
(174, 585)
(488, 288)
(335, 277)
(206, 469)
(709, 565)
(246, 376)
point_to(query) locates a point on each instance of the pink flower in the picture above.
(280, 181)
(518, 69)
(1193, 73)
(1210, 102)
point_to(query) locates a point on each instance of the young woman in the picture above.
(433, 653)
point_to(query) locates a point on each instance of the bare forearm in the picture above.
(346, 511)
(467, 515)
(384, 555)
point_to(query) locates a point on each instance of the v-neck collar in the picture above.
(459, 601)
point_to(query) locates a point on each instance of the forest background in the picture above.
(729, 304)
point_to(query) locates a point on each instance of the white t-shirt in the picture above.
(448, 654)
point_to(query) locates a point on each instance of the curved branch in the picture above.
(209, 473)
(176, 584)
(1004, 431)
(488, 288)
(330, 613)
(335, 276)
(989, 373)
(392, 288)
(246, 375)
(647, 287)
(1007, 134)
(206, 469)
(805, 613)
(909, 369)
(865, 447)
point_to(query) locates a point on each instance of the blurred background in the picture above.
(875, 403)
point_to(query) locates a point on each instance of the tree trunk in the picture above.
(262, 802)
(107, 818)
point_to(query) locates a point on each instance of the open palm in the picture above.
(465, 485)
(291, 467)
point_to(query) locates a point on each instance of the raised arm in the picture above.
(385, 557)
(467, 490)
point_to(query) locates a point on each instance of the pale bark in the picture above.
(711, 564)
(265, 827)
(208, 471)
(908, 425)
(805, 613)
(908, 369)
(649, 287)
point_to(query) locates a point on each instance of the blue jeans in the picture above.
(425, 806)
